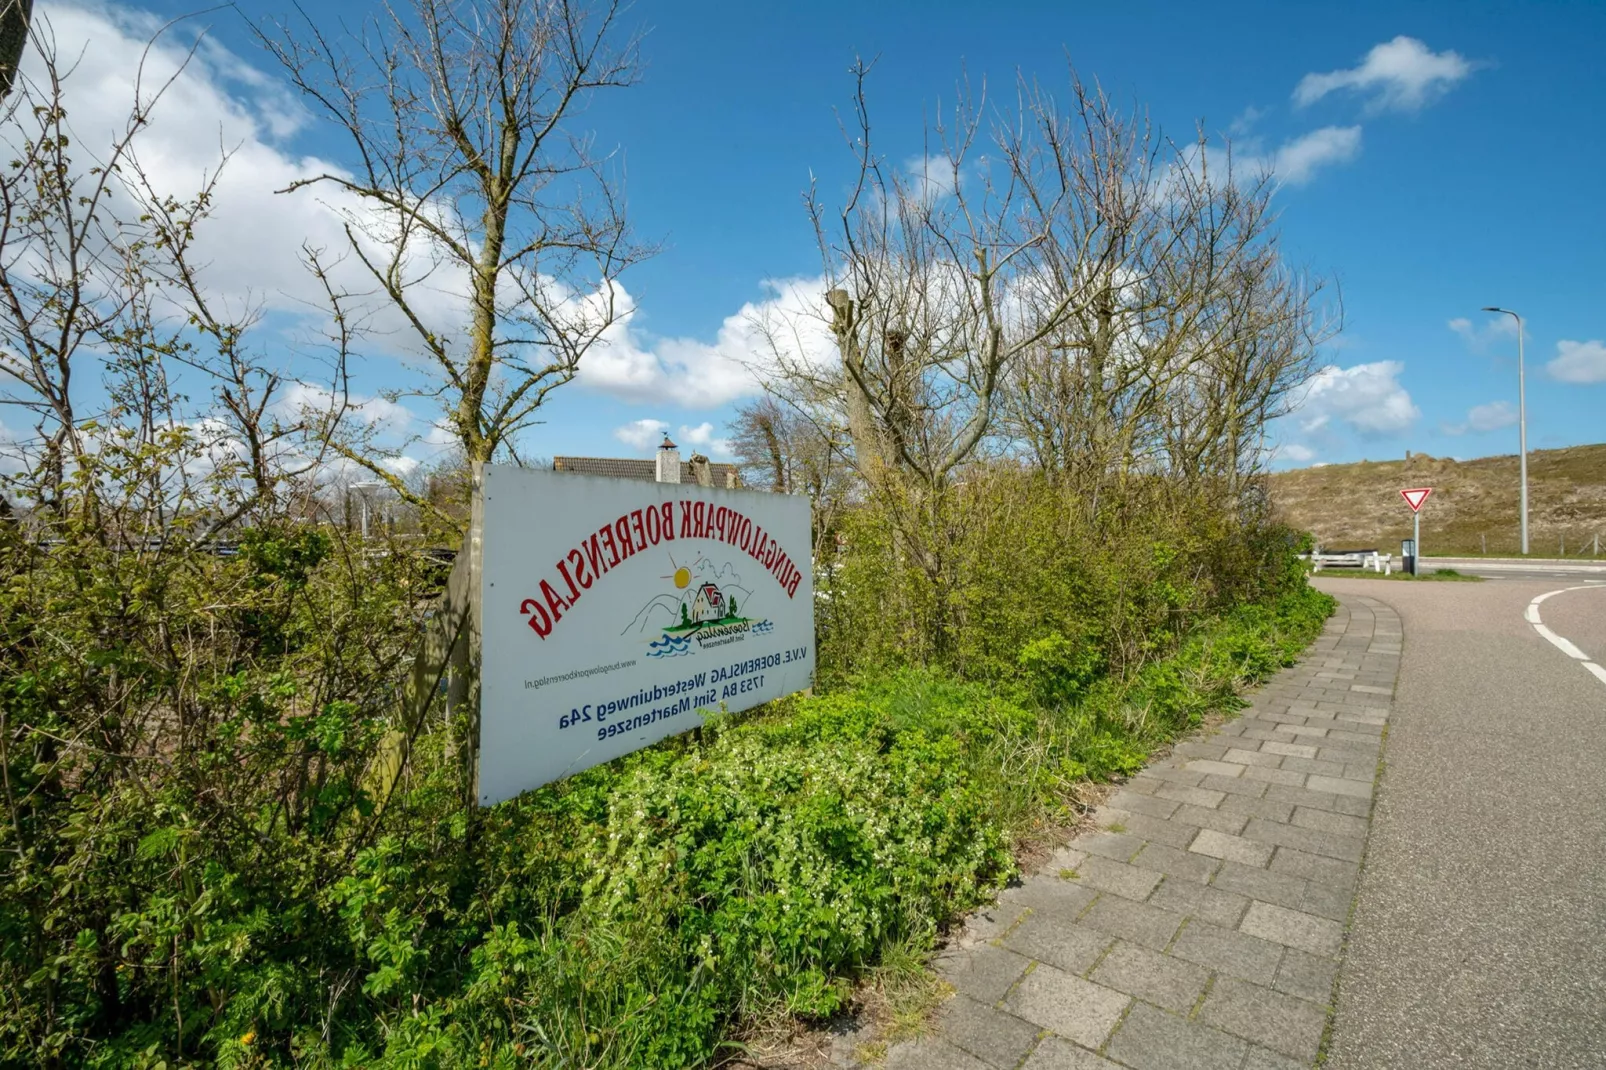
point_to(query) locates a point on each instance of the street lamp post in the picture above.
(1522, 424)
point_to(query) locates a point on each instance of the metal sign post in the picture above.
(1414, 498)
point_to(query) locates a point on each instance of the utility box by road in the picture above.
(1408, 552)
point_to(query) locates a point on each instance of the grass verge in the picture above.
(1441, 575)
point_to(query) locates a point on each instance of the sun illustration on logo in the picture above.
(708, 605)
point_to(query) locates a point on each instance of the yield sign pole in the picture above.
(1414, 498)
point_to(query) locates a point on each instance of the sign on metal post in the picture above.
(612, 612)
(1414, 498)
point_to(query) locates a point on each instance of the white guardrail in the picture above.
(1366, 560)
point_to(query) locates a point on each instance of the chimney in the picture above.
(701, 471)
(668, 462)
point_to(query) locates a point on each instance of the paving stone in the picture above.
(1151, 1039)
(1149, 805)
(1261, 1059)
(1304, 839)
(1142, 785)
(931, 1053)
(1300, 731)
(1200, 901)
(1193, 796)
(1253, 757)
(1051, 894)
(1293, 928)
(1187, 777)
(1232, 848)
(1260, 733)
(1317, 869)
(1137, 922)
(1306, 976)
(1200, 750)
(1273, 776)
(1108, 875)
(1273, 1020)
(1064, 858)
(1327, 821)
(1364, 772)
(1288, 750)
(985, 972)
(1261, 884)
(1270, 809)
(1321, 800)
(1176, 862)
(1326, 901)
(1061, 943)
(1055, 1053)
(1175, 833)
(989, 923)
(1228, 951)
(1234, 785)
(1220, 820)
(1210, 768)
(996, 1038)
(1076, 1009)
(1163, 980)
(1351, 754)
(1313, 765)
(1117, 845)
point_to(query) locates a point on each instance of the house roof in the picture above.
(725, 475)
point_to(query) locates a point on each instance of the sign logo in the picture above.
(705, 605)
(1414, 498)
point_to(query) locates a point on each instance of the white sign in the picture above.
(615, 610)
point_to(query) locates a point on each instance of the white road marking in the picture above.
(1561, 643)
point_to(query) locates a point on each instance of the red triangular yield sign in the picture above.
(1415, 498)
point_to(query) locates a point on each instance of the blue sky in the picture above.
(1434, 158)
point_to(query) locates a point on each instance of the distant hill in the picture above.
(1473, 506)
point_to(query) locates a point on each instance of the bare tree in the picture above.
(104, 309)
(1192, 329)
(470, 184)
(929, 271)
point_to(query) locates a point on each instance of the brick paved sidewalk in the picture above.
(1203, 928)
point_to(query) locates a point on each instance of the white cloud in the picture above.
(930, 178)
(1368, 398)
(251, 244)
(684, 371)
(1297, 161)
(370, 410)
(1293, 451)
(1246, 120)
(703, 436)
(1481, 418)
(640, 434)
(1491, 417)
(1480, 337)
(1400, 75)
(1579, 362)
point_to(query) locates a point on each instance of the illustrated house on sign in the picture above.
(708, 605)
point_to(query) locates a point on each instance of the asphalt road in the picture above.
(1479, 934)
